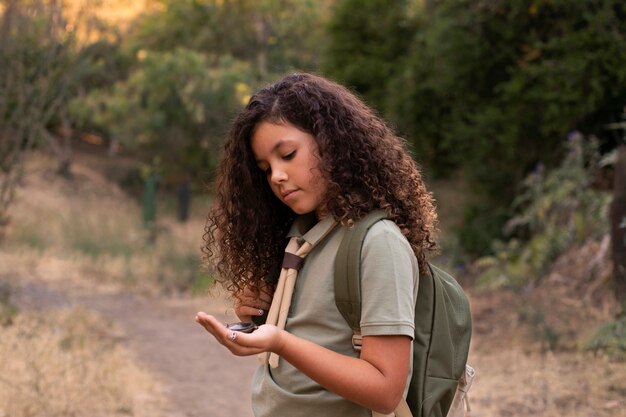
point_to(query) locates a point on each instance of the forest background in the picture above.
(515, 109)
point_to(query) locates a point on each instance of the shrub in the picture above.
(554, 211)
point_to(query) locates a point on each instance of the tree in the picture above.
(194, 64)
(174, 105)
(366, 40)
(34, 88)
(275, 35)
(495, 87)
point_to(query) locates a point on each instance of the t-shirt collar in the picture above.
(308, 228)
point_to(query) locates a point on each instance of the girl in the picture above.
(307, 158)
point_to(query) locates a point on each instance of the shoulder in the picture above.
(385, 232)
(385, 243)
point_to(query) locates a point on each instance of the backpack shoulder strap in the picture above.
(348, 269)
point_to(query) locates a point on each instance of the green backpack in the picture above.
(442, 325)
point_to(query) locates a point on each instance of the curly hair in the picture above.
(365, 166)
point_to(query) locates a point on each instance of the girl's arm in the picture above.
(376, 380)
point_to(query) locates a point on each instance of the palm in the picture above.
(264, 339)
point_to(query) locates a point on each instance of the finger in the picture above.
(264, 304)
(266, 296)
(243, 316)
(246, 295)
(213, 326)
(250, 308)
(250, 311)
(236, 342)
(243, 344)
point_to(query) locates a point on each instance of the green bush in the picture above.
(365, 41)
(481, 222)
(175, 106)
(555, 210)
(492, 87)
(610, 339)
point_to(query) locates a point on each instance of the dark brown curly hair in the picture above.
(365, 166)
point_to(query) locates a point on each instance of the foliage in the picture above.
(491, 87)
(554, 211)
(174, 105)
(481, 221)
(275, 35)
(169, 89)
(104, 62)
(35, 87)
(610, 339)
(365, 41)
(494, 85)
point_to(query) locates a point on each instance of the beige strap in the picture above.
(272, 315)
(297, 249)
(460, 397)
(285, 304)
(281, 302)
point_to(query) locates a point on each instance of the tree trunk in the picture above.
(262, 35)
(618, 228)
(7, 21)
(62, 149)
(429, 5)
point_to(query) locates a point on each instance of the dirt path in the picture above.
(200, 378)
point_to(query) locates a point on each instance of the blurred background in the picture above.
(112, 118)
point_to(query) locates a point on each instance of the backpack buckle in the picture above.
(357, 341)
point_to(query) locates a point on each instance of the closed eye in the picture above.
(289, 156)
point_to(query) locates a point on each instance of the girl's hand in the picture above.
(266, 338)
(248, 304)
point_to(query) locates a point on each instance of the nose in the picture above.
(278, 175)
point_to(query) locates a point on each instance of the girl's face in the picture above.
(288, 156)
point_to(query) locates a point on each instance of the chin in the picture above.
(302, 210)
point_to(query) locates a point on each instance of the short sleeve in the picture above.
(389, 282)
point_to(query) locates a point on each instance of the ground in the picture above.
(527, 345)
(198, 376)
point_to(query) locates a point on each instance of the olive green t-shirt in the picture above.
(389, 281)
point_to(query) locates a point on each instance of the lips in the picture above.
(288, 193)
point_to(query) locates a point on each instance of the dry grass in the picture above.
(528, 346)
(90, 229)
(512, 382)
(87, 233)
(68, 363)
